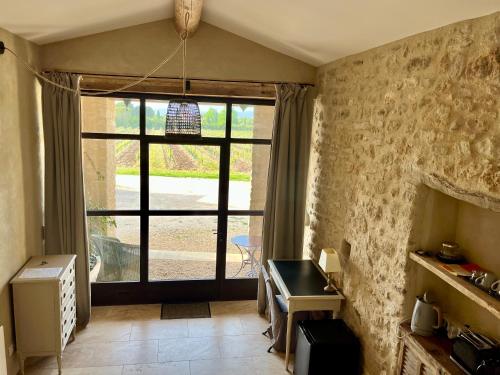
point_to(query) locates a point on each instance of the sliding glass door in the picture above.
(172, 219)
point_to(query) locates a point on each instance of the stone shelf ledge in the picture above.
(475, 294)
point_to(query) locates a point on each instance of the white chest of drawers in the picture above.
(44, 306)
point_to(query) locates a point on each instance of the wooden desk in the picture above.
(301, 285)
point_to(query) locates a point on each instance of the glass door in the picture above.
(174, 219)
(183, 211)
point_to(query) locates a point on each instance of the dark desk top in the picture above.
(302, 278)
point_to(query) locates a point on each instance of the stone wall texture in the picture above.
(425, 108)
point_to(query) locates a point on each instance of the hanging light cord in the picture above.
(184, 38)
(127, 86)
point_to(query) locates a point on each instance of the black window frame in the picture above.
(144, 290)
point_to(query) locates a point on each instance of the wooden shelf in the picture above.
(475, 294)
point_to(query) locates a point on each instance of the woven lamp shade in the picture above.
(183, 118)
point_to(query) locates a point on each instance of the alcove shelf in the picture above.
(475, 294)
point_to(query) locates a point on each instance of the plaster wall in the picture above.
(21, 177)
(387, 122)
(212, 53)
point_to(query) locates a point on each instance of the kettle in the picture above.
(426, 317)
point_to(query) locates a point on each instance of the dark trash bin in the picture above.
(326, 347)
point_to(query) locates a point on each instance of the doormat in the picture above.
(185, 310)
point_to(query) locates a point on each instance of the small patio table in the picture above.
(249, 245)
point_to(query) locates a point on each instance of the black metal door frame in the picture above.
(145, 291)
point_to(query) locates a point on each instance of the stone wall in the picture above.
(422, 109)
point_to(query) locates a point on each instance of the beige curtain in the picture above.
(283, 231)
(65, 222)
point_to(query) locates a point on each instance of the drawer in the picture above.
(68, 279)
(67, 321)
(66, 330)
(69, 306)
(67, 295)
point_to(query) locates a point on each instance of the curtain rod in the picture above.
(177, 78)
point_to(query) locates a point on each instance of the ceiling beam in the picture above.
(198, 87)
(194, 8)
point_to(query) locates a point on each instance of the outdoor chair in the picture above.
(119, 261)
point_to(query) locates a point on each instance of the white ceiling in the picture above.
(314, 31)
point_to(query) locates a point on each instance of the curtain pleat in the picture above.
(65, 220)
(283, 229)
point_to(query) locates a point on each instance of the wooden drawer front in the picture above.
(66, 332)
(68, 306)
(410, 364)
(68, 279)
(67, 295)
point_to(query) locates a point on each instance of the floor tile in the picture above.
(159, 329)
(170, 368)
(126, 312)
(219, 308)
(110, 370)
(104, 331)
(189, 348)
(108, 354)
(271, 363)
(253, 323)
(243, 345)
(229, 343)
(216, 326)
(224, 366)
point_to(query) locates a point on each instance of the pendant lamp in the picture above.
(183, 115)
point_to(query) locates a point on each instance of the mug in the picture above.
(495, 288)
(475, 275)
(486, 280)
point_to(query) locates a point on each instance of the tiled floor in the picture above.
(126, 340)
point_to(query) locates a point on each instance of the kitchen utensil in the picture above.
(426, 317)
(470, 349)
(450, 253)
(486, 280)
(495, 289)
(475, 275)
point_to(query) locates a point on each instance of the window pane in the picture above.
(213, 118)
(243, 246)
(111, 171)
(110, 115)
(248, 176)
(114, 250)
(183, 177)
(252, 121)
(182, 247)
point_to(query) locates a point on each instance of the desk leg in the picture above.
(289, 327)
